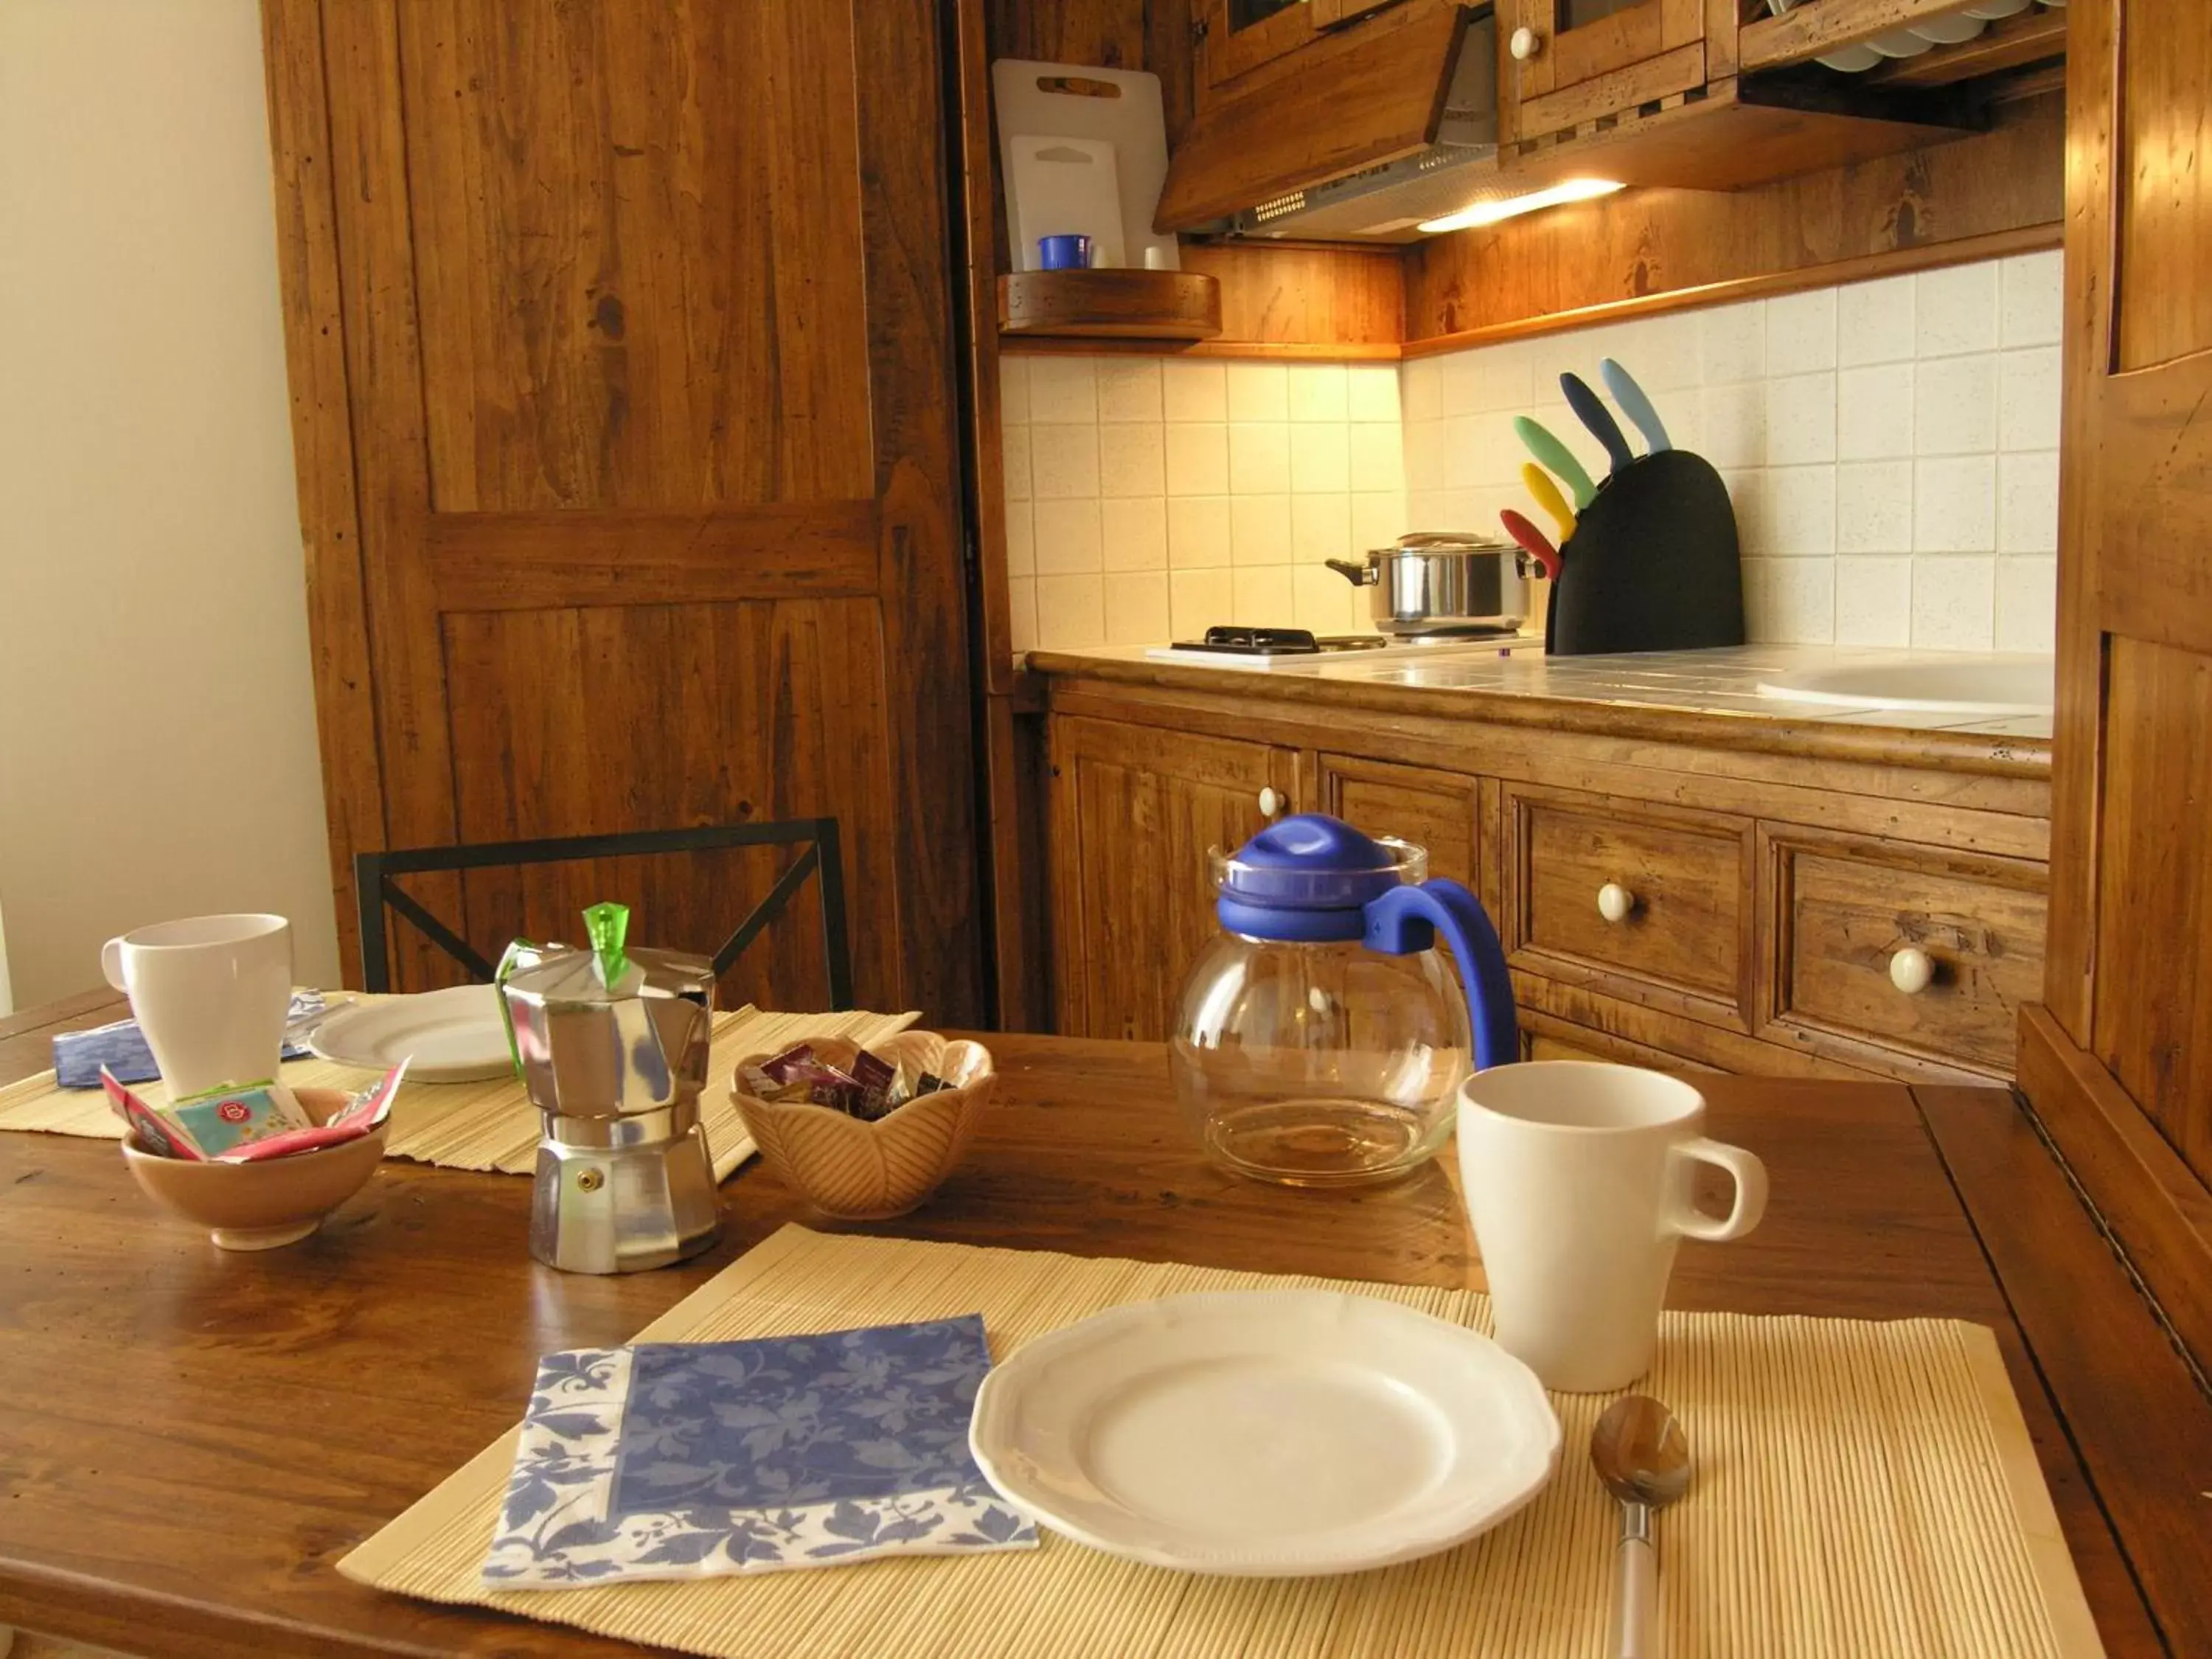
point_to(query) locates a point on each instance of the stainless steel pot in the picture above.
(1436, 580)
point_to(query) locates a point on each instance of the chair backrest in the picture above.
(377, 888)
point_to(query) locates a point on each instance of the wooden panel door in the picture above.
(621, 351)
(1586, 58)
(1134, 811)
(2120, 1064)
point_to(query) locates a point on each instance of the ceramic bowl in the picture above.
(258, 1207)
(858, 1171)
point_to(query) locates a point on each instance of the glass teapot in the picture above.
(1321, 1040)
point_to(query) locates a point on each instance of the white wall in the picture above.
(1146, 497)
(1892, 447)
(157, 745)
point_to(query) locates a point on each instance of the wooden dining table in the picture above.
(191, 1439)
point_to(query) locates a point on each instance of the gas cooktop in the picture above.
(1260, 647)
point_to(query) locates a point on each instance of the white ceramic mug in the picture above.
(211, 994)
(1577, 1180)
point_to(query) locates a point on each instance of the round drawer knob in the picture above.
(1271, 802)
(1525, 44)
(1614, 901)
(1912, 970)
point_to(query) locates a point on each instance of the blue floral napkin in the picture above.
(121, 1047)
(667, 1460)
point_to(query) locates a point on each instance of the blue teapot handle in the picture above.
(1405, 919)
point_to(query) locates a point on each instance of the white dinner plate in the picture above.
(1266, 1433)
(453, 1036)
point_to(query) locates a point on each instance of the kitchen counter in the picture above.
(1708, 696)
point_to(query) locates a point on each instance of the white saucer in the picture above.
(453, 1036)
(1266, 1433)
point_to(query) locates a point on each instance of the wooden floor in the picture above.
(54, 1647)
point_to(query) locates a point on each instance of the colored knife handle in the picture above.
(1548, 497)
(1634, 405)
(1590, 409)
(1557, 456)
(1531, 539)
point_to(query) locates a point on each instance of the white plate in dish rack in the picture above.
(453, 1036)
(1266, 1433)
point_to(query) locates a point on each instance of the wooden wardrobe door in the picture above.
(647, 387)
(2119, 1061)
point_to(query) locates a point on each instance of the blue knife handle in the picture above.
(1638, 407)
(1591, 411)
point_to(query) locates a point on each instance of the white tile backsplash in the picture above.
(1063, 389)
(1955, 405)
(1259, 392)
(1319, 392)
(1890, 447)
(1258, 532)
(1135, 535)
(1129, 389)
(1874, 322)
(1954, 603)
(1132, 458)
(1172, 493)
(1321, 459)
(1198, 532)
(1194, 391)
(1259, 457)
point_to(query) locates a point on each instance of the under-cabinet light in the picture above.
(1489, 213)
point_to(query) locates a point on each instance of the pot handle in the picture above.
(1360, 575)
(1405, 919)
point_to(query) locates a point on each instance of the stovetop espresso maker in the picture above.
(612, 1047)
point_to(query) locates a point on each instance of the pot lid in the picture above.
(1310, 861)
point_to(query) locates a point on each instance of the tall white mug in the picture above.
(211, 994)
(1577, 1179)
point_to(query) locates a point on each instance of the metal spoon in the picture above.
(1642, 1454)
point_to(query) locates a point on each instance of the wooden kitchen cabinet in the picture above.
(1437, 811)
(1235, 37)
(1134, 809)
(1562, 62)
(1757, 900)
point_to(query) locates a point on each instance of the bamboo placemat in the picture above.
(1862, 1490)
(489, 1126)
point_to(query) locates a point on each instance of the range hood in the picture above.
(1388, 202)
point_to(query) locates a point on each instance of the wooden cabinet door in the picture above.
(1134, 809)
(2121, 1065)
(1242, 34)
(1593, 58)
(620, 340)
(1437, 811)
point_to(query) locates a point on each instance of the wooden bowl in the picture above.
(258, 1207)
(860, 1171)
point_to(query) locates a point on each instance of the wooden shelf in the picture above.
(1123, 304)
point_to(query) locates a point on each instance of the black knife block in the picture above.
(1653, 564)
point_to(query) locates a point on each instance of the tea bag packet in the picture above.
(222, 1120)
(359, 1116)
(873, 1088)
(663, 1460)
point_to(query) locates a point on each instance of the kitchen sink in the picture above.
(1991, 685)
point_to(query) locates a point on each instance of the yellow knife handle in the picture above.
(1548, 497)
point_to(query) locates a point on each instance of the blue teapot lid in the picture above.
(1308, 878)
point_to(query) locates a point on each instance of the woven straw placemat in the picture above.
(489, 1126)
(1862, 1490)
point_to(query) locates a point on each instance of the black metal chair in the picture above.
(376, 889)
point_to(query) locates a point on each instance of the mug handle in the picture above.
(111, 963)
(1750, 1178)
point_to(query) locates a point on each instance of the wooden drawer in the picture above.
(1683, 945)
(1844, 907)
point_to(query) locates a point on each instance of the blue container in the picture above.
(1064, 252)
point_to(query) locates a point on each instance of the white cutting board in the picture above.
(1065, 187)
(1033, 99)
